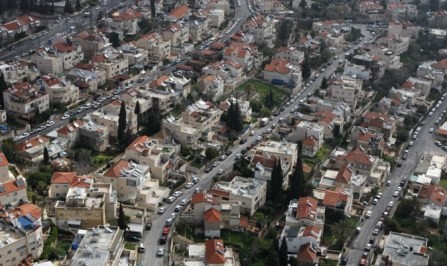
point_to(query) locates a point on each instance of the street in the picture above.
(150, 239)
(424, 143)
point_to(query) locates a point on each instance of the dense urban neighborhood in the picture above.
(223, 133)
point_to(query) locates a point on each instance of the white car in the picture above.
(161, 210)
(177, 194)
(368, 214)
(184, 202)
(391, 204)
(160, 252)
(170, 199)
(189, 185)
(431, 130)
(221, 171)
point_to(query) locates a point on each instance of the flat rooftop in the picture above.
(405, 249)
(8, 235)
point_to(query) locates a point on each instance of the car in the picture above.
(379, 195)
(411, 143)
(375, 231)
(170, 199)
(141, 248)
(430, 114)
(344, 260)
(184, 202)
(375, 201)
(178, 208)
(404, 156)
(368, 214)
(438, 143)
(368, 247)
(221, 172)
(24, 135)
(252, 133)
(388, 183)
(49, 122)
(259, 138)
(208, 169)
(189, 185)
(162, 240)
(161, 252)
(173, 215)
(223, 157)
(161, 210)
(396, 194)
(391, 203)
(177, 194)
(385, 214)
(169, 221)
(195, 179)
(228, 153)
(215, 164)
(148, 225)
(197, 190)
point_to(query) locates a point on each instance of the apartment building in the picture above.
(59, 90)
(346, 89)
(112, 61)
(261, 27)
(213, 86)
(84, 79)
(94, 136)
(108, 116)
(17, 71)
(244, 106)
(102, 245)
(280, 71)
(46, 63)
(216, 17)
(133, 184)
(396, 43)
(182, 132)
(13, 192)
(135, 55)
(287, 152)
(31, 150)
(212, 252)
(157, 48)
(250, 192)
(182, 12)
(306, 129)
(291, 54)
(177, 34)
(299, 236)
(69, 53)
(91, 43)
(21, 234)
(202, 115)
(5, 174)
(305, 212)
(24, 100)
(242, 54)
(125, 21)
(147, 151)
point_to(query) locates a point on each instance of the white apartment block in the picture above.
(306, 129)
(261, 28)
(157, 48)
(108, 116)
(286, 151)
(346, 89)
(59, 90)
(250, 192)
(113, 62)
(47, 63)
(25, 100)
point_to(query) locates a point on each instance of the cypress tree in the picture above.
(122, 122)
(137, 112)
(3, 87)
(46, 156)
(283, 254)
(122, 223)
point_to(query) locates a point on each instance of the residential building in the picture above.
(244, 106)
(198, 29)
(299, 236)
(47, 63)
(13, 192)
(94, 135)
(70, 53)
(24, 100)
(59, 90)
(86, 204)
(433, 199)
(212, 220)
(269, 7)
(176, 34)
(346, 89)
(390, 60)
(5, 174)
(261, 27)
(157, 48)
(416, 83)
(91, 43)
(182, 132)
(133, 184)
(379, 122)
(310, 146)
(125, 21)
(108, 116)
(21, 236)
(242, 54)
(368, 139)
(212, 85)
(200, 202)
(216, 17)
(357, 71)
(286, 151)
(202, 115)
(431, 70)
(31, 150)
(102, 245)
(403, 28)
(405, 250)
(306, 129)
(396, 43)
(113, 62)
(250, 192)
(181, 12)
(84, 79)
(220, 5)
(291, 54)
(148, 151)
(305, 212)
(23, 24)
(280, 71)
(135, 56)
(70, 132)
(212, 252)
(338, 200)
(17, 71)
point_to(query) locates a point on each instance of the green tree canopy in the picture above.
(122, 221)
(153, 125)
(114, 39)
(122, 122)
(211, 153)
(234, 117)
(283, 253)
(306, 71)
(68, 8)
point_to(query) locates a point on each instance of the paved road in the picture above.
(150, 239)
(424, 143)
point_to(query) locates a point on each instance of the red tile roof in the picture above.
(33, 142)
(307, 254)
(158, 82)
(373, 115)
(63, 47)
(71, 127)
(214, 251)
(202, 197)
(435, 194)
(344, 175)
(180, 12)
(441, 64)
(310, 141)
(25, 209)
(62, 177)
(27, 20)
(278, 65)
(307, 208)
(334, 198)
(212, 216)
(10, 187)
(115, 170)
(265, 162)
(85, 181)
(356, 155)
(11, 26)
(312, 231)
(128, 14)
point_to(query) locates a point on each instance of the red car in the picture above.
(166, 230)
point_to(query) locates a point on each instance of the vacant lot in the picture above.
(256, 89)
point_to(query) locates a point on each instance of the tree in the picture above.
(234, 117)
(303, 4)
(153, 9)
(276, 182)
(269, 102)
(24, 5)
(324, 84)
(78, 5)
(272, 258)
(114, 39)
(46, 156)
(68, 7)
(153, 123)
(296, 181)
(137, 112)
(145, 25)
(122, 122)
(8, 148)
(283, 254)
(3, 87)
(211, 153)
(284, 32)
(122, 221)
(306, 71)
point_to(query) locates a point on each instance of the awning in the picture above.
(77, 223)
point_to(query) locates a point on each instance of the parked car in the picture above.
(189, 185)
(161, 252)
(148, 226)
